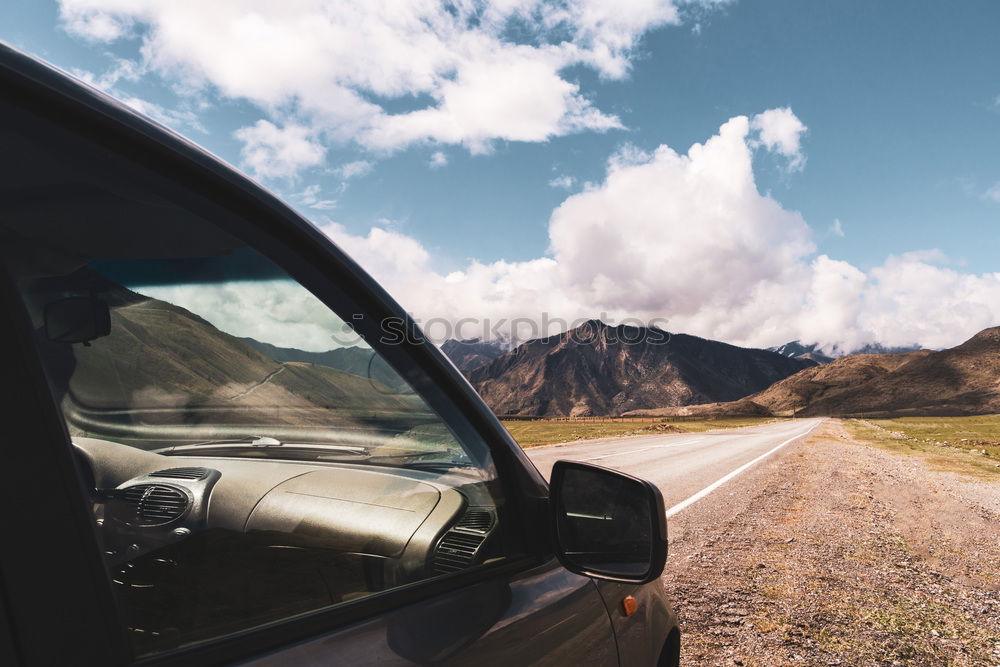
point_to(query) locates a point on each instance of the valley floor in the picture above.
(838, 552)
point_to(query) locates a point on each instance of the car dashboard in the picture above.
(201, 545)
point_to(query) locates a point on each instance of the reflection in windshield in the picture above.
(226, 365)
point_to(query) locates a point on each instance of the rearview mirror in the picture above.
(77, 319)
(607, 524)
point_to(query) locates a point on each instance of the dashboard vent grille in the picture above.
(459, 547)
(182, 473)
(154, 504)
(456, 551)
(478, 520)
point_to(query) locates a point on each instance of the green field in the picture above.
(548, 431)
(953, 444)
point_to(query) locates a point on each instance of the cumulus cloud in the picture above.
(687, 238)
(837, 228)
(270, 151)
(484, 71)
(781, 131)
(564, 182)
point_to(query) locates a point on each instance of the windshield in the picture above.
(228, 355)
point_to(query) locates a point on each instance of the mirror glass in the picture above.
(604, 521)
(77, 319)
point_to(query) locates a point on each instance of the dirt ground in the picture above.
(841, 554)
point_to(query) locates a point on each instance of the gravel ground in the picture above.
(832, 552)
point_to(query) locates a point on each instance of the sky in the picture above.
(754, 172)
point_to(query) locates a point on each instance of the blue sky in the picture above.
(899, 99)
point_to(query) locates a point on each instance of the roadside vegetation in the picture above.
(534, 433)
(965, 445)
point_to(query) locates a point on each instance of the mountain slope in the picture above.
(961, 380)
(827, 382)
(470, 354)
(164, 365)
(360, 361)
(596, 370)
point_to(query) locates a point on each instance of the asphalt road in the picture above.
(685, 466)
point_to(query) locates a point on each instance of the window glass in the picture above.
(248, 456)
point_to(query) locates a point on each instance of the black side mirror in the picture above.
(77, 319)
(607, 524)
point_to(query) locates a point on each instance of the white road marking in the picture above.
(641, 449)
(712, 487)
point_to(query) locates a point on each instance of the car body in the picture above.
(164, 508)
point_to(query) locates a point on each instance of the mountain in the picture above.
(361, 361)
(960, 380)
(824, 354)
(797, 350)
(598, 369)
(825, 383)
(470, 354)
(963, 380)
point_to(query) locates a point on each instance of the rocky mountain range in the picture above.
(597, 369)
(962, 380)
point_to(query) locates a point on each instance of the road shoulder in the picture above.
(834, 552)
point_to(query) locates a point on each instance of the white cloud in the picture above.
(131, 71)
(781, 131)
(175, 119)
(993, 192)
(837, 228)
(95, 20)
(270, 151)
(355, 169)
(438, 160)
(311, 197)
(564, 182)
(689, 238)
(322, 63)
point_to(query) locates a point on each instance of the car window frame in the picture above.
(317, 264)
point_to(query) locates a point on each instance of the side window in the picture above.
(248, 456)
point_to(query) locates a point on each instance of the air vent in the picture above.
(153, 504)
(459, 547)
(478, 520)
(182, 473)
(456, 551)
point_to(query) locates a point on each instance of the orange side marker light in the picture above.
(629, 605)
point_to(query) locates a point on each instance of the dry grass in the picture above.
(964, 445)
(547, 432)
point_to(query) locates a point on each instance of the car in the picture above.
(225, 443)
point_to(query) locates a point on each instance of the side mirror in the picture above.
(77, 319)
(607, 524)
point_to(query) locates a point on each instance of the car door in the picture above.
(524, 608)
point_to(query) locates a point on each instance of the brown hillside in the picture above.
(829, 381)
(961, 380)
